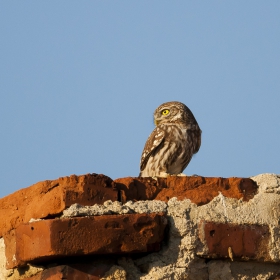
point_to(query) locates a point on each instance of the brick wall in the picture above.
(93, 227)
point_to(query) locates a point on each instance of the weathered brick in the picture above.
(138, 188)
(49, 198)
(200, 190)
(223, 240)
(47, 240)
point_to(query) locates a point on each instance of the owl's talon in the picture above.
(178, 175)
(182, 175)
(161, 175)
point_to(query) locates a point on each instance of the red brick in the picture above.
(235, 241)
(47, 240)
(49, 198)
(72, 272)
(201, 190)
(138, 188)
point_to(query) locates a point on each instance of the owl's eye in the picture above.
(165, 112)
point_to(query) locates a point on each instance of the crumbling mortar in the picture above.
(178, 258)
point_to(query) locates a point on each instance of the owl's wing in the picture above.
(153, 142)
(197, 134)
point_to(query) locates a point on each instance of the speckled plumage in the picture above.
(172, 143)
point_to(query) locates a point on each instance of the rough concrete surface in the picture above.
(183, 253)
(116, 207)
(179, 259)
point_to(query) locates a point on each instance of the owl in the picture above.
(172, 143)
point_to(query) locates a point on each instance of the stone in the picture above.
(268, 183)
(49, 198)
(47, 240)
(235, 242)
(115, 273)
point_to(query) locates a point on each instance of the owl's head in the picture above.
(173, 112)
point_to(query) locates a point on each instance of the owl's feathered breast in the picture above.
(170, 147)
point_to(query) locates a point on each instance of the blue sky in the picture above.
(79, 82)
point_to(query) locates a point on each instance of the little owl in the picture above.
(172, 143)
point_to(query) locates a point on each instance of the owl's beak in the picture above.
(155, 122)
